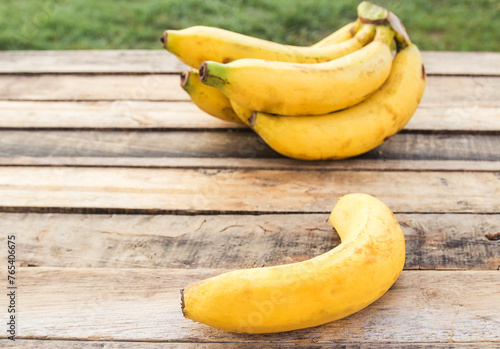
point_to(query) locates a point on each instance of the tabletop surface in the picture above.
(119, 192)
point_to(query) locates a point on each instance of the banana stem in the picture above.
(372, 14)
(212, 74)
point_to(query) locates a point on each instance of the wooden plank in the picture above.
(90, 61)
(254, 163)
(62, 344)
(227, 144)
(143, 304)
(161, 61)
(63, 189)
(461, 63)
(105, 115)
(185, 115)
(154, 87)
(442, 91)
(433, 241)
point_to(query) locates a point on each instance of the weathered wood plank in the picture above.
(203, 190)
(104, 115)
(461, 63)
(91, 61)
(443, 91)
(161, 61)
(154, 87)
(253, 163)
(185, 115)
(227, 144)
(433, 241)
(143, 304)
(62, 344)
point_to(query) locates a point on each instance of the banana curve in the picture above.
(322, 289)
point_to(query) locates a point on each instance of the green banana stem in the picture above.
(373, 14)
(207, 76)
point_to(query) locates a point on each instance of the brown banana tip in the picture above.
(252, 118)
(184, 78)
(182, 302)
(163, 39)
(203, 72)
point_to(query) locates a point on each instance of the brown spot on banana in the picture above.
(423, 72)
(493, 236)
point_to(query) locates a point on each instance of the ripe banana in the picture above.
(322, 289)
(207, 98)
(342, 34)
(305, 89)
(197, 44)
(355, 130)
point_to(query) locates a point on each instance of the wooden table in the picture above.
(120, 192)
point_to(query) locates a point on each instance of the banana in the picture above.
(342, 34)
(300, 89)
(209, 99)
(322, 289)
(197, 44)
(355, 130)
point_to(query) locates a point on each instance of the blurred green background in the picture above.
(457, 25)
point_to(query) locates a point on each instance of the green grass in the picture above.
(456, 25)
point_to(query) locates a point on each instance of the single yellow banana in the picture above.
(351, 131)
(207, 98)
(305, 89)
(322, 289)
(195, 45)
(342, 34)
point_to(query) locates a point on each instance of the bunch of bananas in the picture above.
(338, 98)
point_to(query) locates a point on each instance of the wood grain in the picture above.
(433, 241)
(185, 115)
(143, 304)
(91, 61)
(161, 61)
(154, 87)
(451, 92)
(252, 191)
(227, 144)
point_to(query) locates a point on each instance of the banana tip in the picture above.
(163, 39)
(182, 302)
(203, 72)
(251, 119)
(184, 78)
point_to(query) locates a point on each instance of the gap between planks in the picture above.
(226, 144)
(110, 344)
(255, 164)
